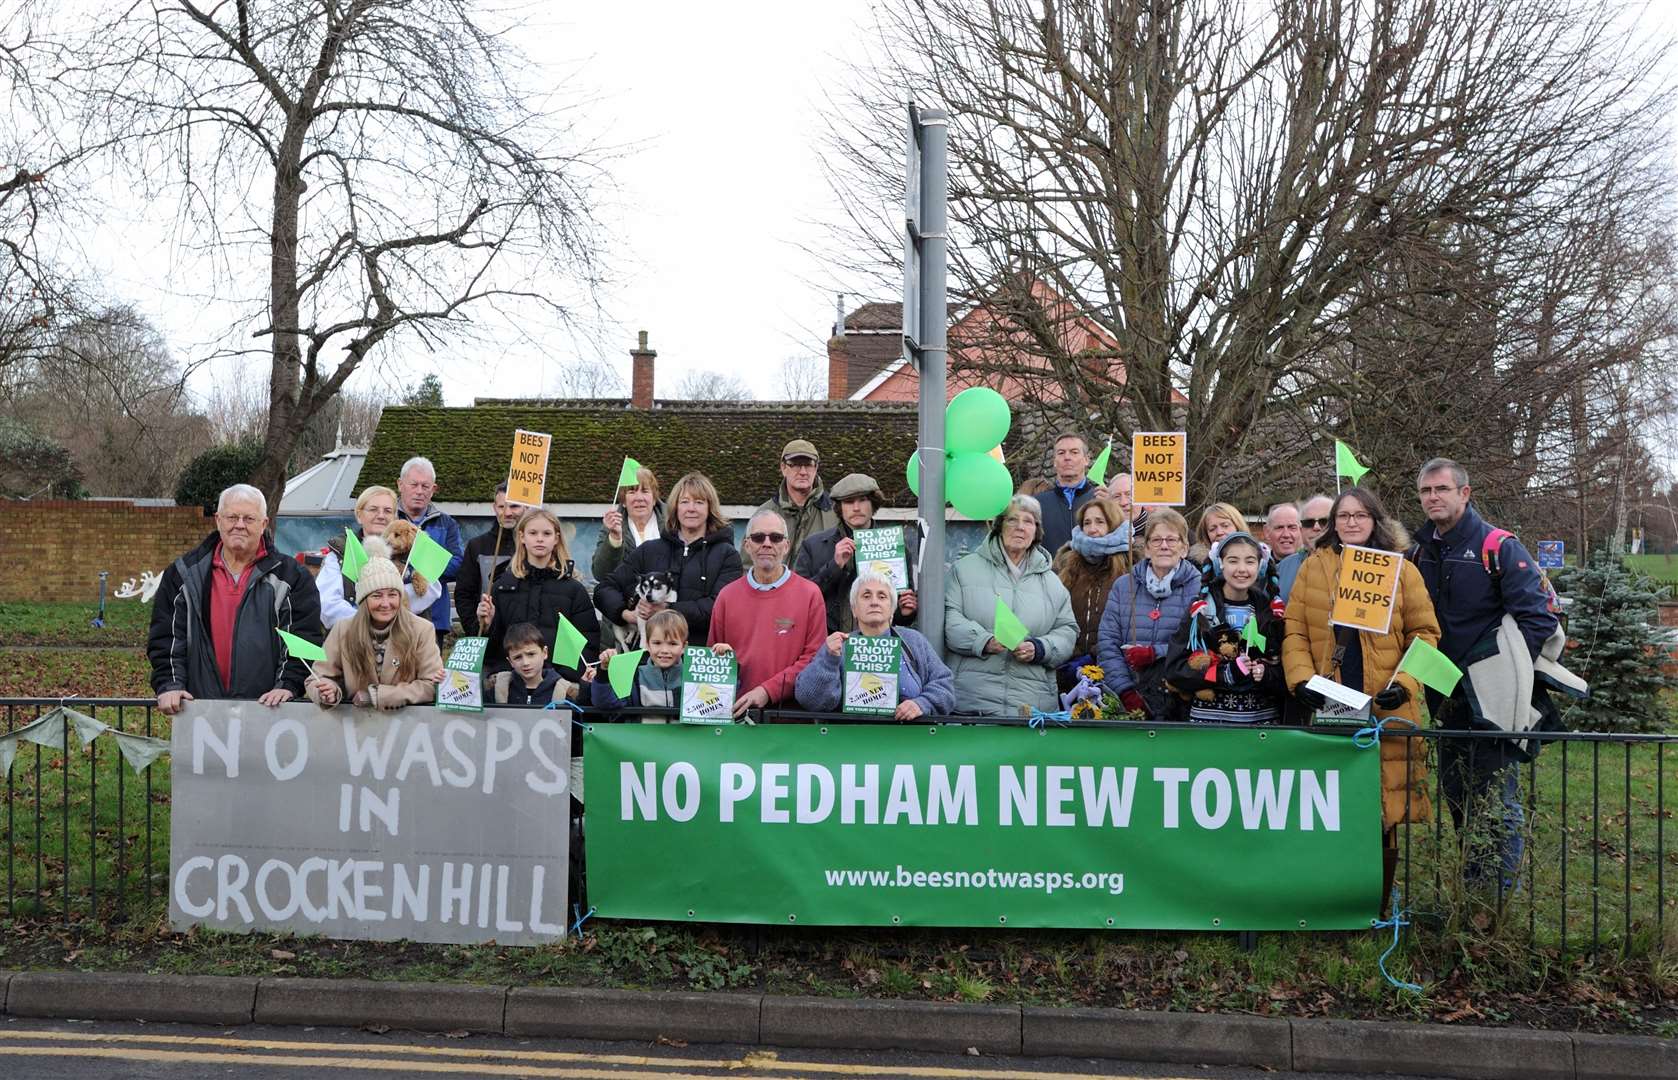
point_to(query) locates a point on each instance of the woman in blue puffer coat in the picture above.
(1143, 613)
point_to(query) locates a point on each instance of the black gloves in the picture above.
(1308, 697)
(1392, 697)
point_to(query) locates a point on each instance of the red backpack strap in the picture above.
(1489, 549)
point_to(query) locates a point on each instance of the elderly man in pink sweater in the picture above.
(771, 619)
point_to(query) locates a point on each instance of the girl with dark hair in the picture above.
(1362, 660)
(1227, 657)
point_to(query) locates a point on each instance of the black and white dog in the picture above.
(655, 587)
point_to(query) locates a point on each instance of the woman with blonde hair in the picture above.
(694, 549)
(383, 656)
(539, 586)
(375, 509)
(1217, 521)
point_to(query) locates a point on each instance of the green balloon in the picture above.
(914, 471)
(976, 420)
(979, 485)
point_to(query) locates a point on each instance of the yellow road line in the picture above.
(477, 1068)
(754, 1060)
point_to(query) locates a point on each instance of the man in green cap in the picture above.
(828, 558)
(801, 501)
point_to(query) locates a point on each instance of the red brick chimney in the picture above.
(641, 374)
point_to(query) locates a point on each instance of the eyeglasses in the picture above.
(239, 519)
(798, 463)
(1314, 523)
(1437, 489)
(766, 537)
(1353, 517)
(1165, 541)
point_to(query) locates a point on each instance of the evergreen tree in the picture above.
(1613, 643)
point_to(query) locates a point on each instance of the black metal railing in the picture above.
(84, 838)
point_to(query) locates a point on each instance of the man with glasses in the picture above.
(1310, 521)
(771, 619)
(416, 484)
(801, 501)
(216, 610)
(1479, 576)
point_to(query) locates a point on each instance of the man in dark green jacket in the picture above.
(801, 500)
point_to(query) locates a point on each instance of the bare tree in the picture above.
(365, 168)
(588, 379)
(803, 378)
(1232, 193)
(712, 386)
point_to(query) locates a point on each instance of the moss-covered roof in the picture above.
(736, 444)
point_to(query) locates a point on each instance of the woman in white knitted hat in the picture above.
(384, 656)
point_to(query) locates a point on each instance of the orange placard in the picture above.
(1159, 468)
(527, 479)
(1367, 589)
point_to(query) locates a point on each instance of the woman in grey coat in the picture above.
(1012, 566)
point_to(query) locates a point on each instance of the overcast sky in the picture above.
(719, 192)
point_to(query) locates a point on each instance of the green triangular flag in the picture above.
(1010, 631)
(1346, 463)
(621, 670)
(1251, 635)
(355, 556)
(568, 644)
(1430, 667)
(1098, 467)
(428, 558)
(630, 474)
(298, 647)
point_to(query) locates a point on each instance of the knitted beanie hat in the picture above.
(379, 572)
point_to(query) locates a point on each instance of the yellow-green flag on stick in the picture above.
(568, 644)
(621, 670)
(1251, 634)
(1010, 631)
(630, 474)
(355, 556)
(299, 647)
(1431, 667)
(428, 558)
(1098, 467)
(1346, 463)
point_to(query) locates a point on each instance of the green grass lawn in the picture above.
(71, 624)
(1663, 568)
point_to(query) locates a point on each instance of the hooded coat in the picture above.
(997, 684)
(1309, 647)
(1134, 617)
(701, 568)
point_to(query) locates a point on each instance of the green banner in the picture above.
(1198, 829)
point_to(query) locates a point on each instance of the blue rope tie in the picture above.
(1364, 738)
(1400, 919)
(1039, 718)
(577, 927)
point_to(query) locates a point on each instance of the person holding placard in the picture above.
(375, 509)
(1143, 612)
(658, 679)
(1002, 666)
(539, 586)
(771, 619)
(831, 559)
(632, 520)
(216, 610)
(924, 685)
(486, 554)
(1097, 555)
(695, 546)
(1226, 660)
(416, 485)
(382, 657)
(1364, 661)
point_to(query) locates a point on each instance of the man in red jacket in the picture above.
(772, 619)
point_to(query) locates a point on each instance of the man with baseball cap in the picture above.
(801, 500)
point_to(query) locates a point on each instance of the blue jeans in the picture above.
(1482, 788)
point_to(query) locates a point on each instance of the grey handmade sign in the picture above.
(414, 824)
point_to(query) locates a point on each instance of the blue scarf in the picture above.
(1097, 548)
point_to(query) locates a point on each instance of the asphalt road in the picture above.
(54, 1049)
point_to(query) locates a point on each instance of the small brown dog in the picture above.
(400, 536)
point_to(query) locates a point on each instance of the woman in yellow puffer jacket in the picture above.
(1368, 661)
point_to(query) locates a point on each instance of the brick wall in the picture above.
(53, 550)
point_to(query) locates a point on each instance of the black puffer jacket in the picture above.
(540, 598)
(700, 568)
(281, 593)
